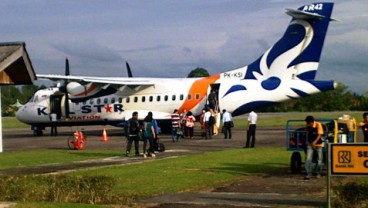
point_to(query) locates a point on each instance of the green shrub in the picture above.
(59, 188)
(351, 194)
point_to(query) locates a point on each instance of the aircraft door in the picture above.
(212, 97)
(55, 105)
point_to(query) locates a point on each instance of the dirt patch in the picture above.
(281, 182)
(277, 189)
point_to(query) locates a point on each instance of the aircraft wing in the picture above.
(99, 80)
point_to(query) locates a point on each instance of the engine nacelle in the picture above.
(76, 89)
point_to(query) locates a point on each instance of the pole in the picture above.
(1, 126)
(328, 176)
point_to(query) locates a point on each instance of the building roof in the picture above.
(15, 64)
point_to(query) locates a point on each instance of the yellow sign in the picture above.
(349, 159)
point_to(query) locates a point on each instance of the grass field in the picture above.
(193, 172)
(161, 176)
(13, 123)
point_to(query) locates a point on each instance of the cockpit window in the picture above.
(32, 99)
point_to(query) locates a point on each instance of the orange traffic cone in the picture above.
(105, 138)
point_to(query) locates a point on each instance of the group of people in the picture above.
(183, 125)
(148, 132)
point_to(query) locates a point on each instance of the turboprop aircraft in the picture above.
(285, 71)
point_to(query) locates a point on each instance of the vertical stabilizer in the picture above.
(296, 55)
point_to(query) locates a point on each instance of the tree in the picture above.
(199, 72)
(9, 95)
(28, 91)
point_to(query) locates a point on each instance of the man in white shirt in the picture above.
(53, 118)
(251, 130)
(209, 123)
(227, 123)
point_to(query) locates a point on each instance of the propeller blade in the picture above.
(67, 71)
(128, 69)
(66, 103)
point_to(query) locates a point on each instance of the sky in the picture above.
(169, 38)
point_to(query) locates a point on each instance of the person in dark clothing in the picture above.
(212, 101)
(148, 136)
(133, 134)
(364, 125)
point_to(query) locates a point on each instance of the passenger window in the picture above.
(150, 98)
(106, 100)
(197, 96)
(91, 102)
(189, 96)
(166, 97)
(135, 99)
(173, 97)
(158, 98)
(120, 99)
(98, 101)
(127, 99)
(182, 97)
(143, 99)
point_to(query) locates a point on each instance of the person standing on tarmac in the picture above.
(53, 118)
(209, 121)
(226, 122)
(314, 137)
(251, 130)
(149, 134)
(133, 131)
(189, 124)
(175, 123)
(364, 125)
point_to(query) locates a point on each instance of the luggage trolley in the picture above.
(341, 130)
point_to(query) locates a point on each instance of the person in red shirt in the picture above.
(189, 124)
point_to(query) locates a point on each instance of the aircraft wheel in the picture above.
(37, 133)
(295, 162)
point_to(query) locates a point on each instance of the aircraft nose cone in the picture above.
(22, 114)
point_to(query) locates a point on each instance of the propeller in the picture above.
(128, 69)
(66, 101)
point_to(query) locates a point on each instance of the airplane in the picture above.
(285, 71)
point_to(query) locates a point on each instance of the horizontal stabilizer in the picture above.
(303, 15)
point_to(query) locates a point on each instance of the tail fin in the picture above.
(296, 55)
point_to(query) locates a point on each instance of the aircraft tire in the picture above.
(37, 133)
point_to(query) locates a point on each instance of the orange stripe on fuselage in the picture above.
(199, 87)
(86, 92)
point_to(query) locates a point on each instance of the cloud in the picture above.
(171, 37)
